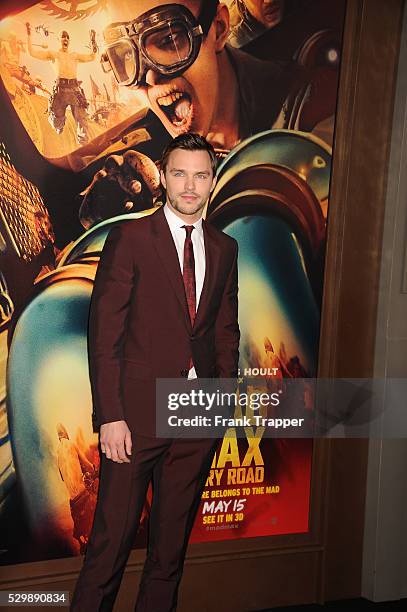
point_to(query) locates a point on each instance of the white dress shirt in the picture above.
(178, 235)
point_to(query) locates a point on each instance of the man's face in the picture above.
(267, 12)
(64, 40)
(188, 180)
(186, 103)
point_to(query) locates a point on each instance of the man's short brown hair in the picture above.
(189, 142)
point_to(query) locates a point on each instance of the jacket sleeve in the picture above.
(227, 332)
(110, 304)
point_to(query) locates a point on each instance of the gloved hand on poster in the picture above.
(126, 183)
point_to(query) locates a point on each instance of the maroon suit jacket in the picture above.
(139, 325)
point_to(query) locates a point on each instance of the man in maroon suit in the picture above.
(164, 305)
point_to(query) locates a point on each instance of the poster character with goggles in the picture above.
(178, 56)
(171, 55)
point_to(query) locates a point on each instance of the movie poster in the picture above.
(90, 93)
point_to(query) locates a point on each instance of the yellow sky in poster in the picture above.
(32, 107)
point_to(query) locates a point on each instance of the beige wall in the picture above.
(385, 540)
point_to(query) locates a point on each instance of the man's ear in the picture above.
(162, 178)
(221, 23)
(214, 181)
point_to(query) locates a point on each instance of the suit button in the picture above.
(184, 373)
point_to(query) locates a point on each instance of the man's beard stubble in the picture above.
(177, 204)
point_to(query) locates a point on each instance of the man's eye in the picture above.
(178, 174)
(202, 176)
(169, 41)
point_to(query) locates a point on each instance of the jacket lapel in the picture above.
(167, 252)
(212, 259)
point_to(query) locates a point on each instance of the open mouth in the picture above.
(178, 108)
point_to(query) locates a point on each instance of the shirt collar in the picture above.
(176, 223)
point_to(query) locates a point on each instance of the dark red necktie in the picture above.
(188, 273)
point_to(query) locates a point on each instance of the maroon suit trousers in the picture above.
(178, 470)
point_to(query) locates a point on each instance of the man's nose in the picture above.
(152, 77)
(189, 183)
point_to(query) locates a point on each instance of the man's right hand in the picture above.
(115, 441)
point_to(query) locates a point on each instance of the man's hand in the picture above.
(130, 171)
(115, 441)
